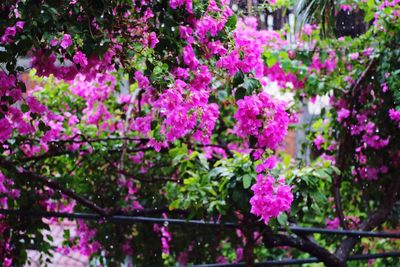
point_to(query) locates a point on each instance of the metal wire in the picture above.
(143, 219)
(393, 254)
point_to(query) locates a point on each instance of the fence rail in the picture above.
(143, 219)
(294, 229)
(283, 262)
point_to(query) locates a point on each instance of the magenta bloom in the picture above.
(270, 198)
(80, 58)
(5, 130)
(318, 141)
(152, 39)
(66, 41)
(19, 25)
(343, 114)
(189, 57)
(262, 117)
(332, 224)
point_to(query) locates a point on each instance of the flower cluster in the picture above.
(7, 191)
(270, 198)
(86, 237)
(263, 117)
(10, 32)
(249, 46)
(164, 103)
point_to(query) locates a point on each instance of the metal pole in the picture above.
(304, 261)
(143, 219)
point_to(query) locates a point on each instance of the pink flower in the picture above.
(262, 117)
(308, 29)
(183, 258)
(174, 4)
(343, 114)
(35, 106)
(66, 41)
(318, 141)
(239, 255)
(189, 57)
(269, 163)
(80, 58)
(127, 248)
(332, 224)
(385, 87)
(142, 80)
(53, 42)
(367, 52)
(185, 32)
(270, 198)
(345, 7)
(221, 259)
(8, 36)
(152, 40)
(354, 56)
(20, 25)
(394, 115)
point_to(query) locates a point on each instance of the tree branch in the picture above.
(346, 145)
(274, 240)
(146, 179)
(374, 220)
(19, 171)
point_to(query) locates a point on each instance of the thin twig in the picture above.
(19, 171)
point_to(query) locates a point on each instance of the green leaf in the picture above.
(253, 141)
(336, 170)
(251, 84)
(42, 126)
(238, 78)
(247, 179)
(240, 93)
(231, 23)
(283, 55)
(282, 218)
(24, 108)
(321, 174)
(174, 204)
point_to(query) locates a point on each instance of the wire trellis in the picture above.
(144, 219)
(202, 223)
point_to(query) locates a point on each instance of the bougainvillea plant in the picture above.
(166, 108)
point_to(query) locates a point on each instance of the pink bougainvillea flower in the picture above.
(318, 141)
(53, 42)
(270, 198)
(189, 57)
(345, 7)
(20, 25)
(308, 29)
(5, 130)
(343, 114)
(269, 163)
(152, 40)
(66, 41)
(332, 224)
(354, 56)
(80, 58)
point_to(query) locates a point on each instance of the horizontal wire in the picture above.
(393, 254)
(143, 219)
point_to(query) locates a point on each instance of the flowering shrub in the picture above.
(166, 108)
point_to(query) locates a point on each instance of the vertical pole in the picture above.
(291, 28)
(249, 7)
(270, 21)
